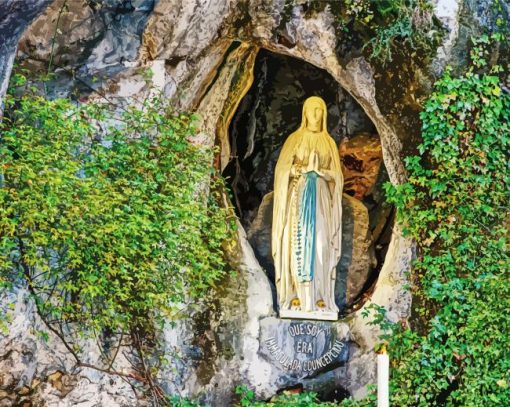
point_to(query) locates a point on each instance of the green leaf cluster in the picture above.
(286, 399)
(110, 216)
(386, 27)
(456, 205)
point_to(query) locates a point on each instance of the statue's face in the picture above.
(313, 114)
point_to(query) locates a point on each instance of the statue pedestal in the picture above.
(303, 348)
(313, 315)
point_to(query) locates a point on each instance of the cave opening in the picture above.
(268, 113)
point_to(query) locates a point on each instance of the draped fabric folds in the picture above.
(306, 229)
(307, 218)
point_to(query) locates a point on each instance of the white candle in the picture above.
(383, 375)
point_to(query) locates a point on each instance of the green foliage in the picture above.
(111, 218)
(247, 399)
(402, 23)
(456, 205)
(387, 27)
(176, 401)
(286, 399)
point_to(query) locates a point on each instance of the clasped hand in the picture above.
(297, 170)
(313, 165)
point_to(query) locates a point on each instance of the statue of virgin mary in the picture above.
(307, 218)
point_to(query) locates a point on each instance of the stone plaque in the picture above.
(303, 348)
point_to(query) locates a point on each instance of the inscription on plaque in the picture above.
(309, 351)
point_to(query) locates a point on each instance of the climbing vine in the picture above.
(389, 26)
(456, 204)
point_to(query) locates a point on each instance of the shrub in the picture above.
(456, 204)
(112, 219)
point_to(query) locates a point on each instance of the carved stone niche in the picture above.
(267, 114)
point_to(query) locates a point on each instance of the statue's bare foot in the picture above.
(296, 304)
(321, 305)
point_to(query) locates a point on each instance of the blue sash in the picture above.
(306, 228)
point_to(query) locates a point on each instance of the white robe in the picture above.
(296, 152)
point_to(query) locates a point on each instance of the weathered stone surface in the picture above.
(361, 158)
(357, 259)
(447, 11)
(15, 16)
(259, 234)
(85, 43)
(189, 27)
(44, 372)
(218, 348)
(64, 31)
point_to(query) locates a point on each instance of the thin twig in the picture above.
(64, 5)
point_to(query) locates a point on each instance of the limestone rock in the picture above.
(357, 259)
(15, 16)
(217, 349)
(77, 28)
(259, 234)
(92, 42)
(361, 158)
(39, 371)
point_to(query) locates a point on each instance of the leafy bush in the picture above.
(110, 218)
(176, 401)
(286, 399)
(398, 23)
(387, 27)
(456, 204)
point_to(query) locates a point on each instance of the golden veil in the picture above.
(326, 146)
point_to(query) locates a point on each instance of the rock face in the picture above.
(361, 159)
(259, 235)
(203, 55)
(39, 371)
(357, 260)
(15, 16)
(84, 43)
